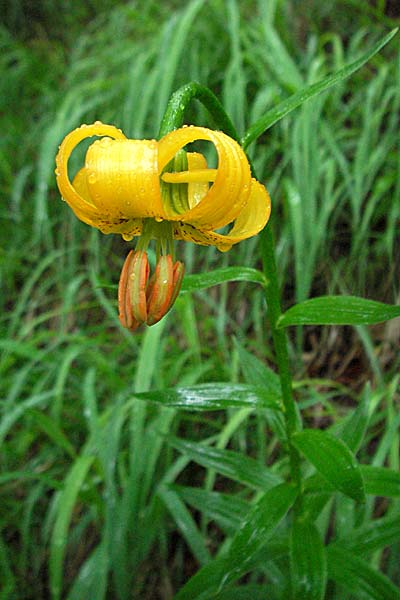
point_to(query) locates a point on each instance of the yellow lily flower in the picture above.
(155, 189)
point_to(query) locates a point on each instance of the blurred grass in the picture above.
(78, 453)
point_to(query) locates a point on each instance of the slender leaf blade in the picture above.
(228, 511)
(307, 562)
(333, 460)
(66, 503)
(228, 463)
(338, 310)
(253, 534)
(357, 577)
(202, 281)
(257, 528)
(374, 535)
(278, 112)
(91, 580)
(355, 427)
(214, 396)
(380, 481)
(185, 524)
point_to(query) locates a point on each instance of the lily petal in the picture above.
(128, 228)
(68, 191)
(249, 222)
(231, 189)
(122, 178)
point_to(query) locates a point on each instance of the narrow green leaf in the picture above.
(373, 536)
(355, 427)
(203, 281)
(11, 417)
(65, 506)
(257, 528)
(204, 585)
(53, 431)
(338, 310)
(307, 562)
(228, 511)
(357, 577)
(278, 112)
(380, 481)
(333, 460)
(253, 534)
(91, 581)
(185, 524)
(255, 370)
(228, 463)
(214, 396)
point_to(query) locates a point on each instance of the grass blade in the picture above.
(65, 506)
(278, 112)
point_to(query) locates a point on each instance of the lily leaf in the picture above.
(214, 396)
(307, 562)
(338, 310)
(203, 281)
(357, 577)
(333, 460)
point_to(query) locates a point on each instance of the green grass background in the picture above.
(87, 508)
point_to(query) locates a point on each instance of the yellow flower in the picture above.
(155, 189)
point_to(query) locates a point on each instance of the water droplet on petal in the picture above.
(92, 178)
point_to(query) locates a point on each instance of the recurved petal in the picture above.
(231, 189)
(251, 220)
(85, 206)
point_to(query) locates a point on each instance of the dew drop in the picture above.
(92, 178)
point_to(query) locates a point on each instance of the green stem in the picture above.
(180, 100)
(174, 118)
(279, 339)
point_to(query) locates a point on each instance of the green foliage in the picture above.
(106, 468)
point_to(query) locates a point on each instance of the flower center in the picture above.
(161, 232)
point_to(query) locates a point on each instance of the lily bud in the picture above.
(132, 299)
(142, 300)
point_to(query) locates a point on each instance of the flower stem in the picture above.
(180, 100)
(279, 339)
